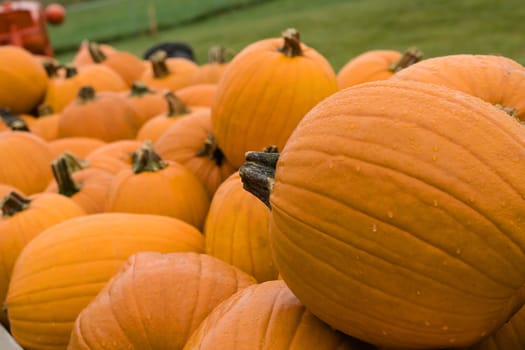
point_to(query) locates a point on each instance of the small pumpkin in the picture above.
(155, 186)
(78, 145)
(171, 73)
(63, 269)
(146, 102)
(267, 316)
(212, 71)
(137, 295)
(46, 126)
(198, 95)
(114, 156)
(82, 56)
(376, 65)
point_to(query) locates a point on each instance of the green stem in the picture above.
(158, 64)
(146, 159)
(61, 172)
(13, 203)
(258, 173)
(292, 43)
(211, 150)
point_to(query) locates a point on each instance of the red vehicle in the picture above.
(23, 23)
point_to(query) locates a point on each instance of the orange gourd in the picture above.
(114, 156)
(23, 79)
(25, 158)
(190, 143)
(137, 295)
(387, 210)
(6, 189)
(267, 316)
(264, 93)
(236, 230)
(212, 71)
(46, 126)
(104, 115)
(171, 73)
(495, 79)
(78, 145)
(155, 186)
(82, 56)
(199, 95)
(375, 65)
(62, 270)
(146, 102)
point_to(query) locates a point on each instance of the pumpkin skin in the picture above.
(199, 95)
(170, 73)
(495, 79)
(266, 316)
(290, 85)
(28, 157)
(77, 145)
(23, 80)
(106, 116)
(26, 219)
(46, 126)
(236, 230)
(160, 187)
(113, 156)
(83, 57)
(6, 189)
(62, 270)
(416, 212)
(146, 102)
(188, 142)
(137, 295)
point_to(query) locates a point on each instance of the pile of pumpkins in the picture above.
(266, 202)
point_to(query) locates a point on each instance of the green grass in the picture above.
(341, 29)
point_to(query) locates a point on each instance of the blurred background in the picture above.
(339, 29)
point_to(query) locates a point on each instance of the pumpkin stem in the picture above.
(13, 203)
(73, 162)
(71, 71)
(63, 178)
(95, 52)
(411, 56)
(258, 173)
(513, 112)
(44, 110)
(13, 122)
(139, 89)
(292, 43)
(146, 159)
(86, 94)
(210, 150)
(51, 68)
(175, 105)
(158, 64)
(217, 54)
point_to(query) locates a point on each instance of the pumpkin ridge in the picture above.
(269, 318)
(110, 296)
(295, 329)
(401, 267)
(189, 325)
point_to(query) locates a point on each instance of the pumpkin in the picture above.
(125, 64)
(83, 57)
(137, 295)
(15, 122)
(87, 186)
(46, 126)
(190, 143)
(23, 80)
(62, 270)
(146, 102)
(171, 73)
(113, 156)
(78, 145)
(264, 93)
(104, 115)
(375, 65)
(198, 95)
(212, 71)
(495, 79)
(392, 222)
(23, 218)
(155, 186)
(267, 316)
(6, 189)
(25, 158)
(236, 230)
(176, 111)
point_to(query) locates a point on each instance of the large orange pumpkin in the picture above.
(169, 293)
(398, 214)
(155, 186)
(265, 91)
(495, 79)
(23, 218)
(62, 270)
(267, 316)
(23, 79)
(26, 159)
(375, 65)
(190, 143)
(236, 230)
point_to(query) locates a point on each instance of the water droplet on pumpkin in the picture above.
(458, 251)
(445, 328)
(390, 214)
(418, 292)
(374, 228)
